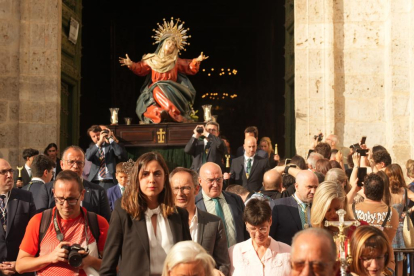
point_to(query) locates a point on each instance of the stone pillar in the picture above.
(354, 73)
(30, 47)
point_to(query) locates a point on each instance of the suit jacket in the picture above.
(58, 168)
(113, 194)
(113, 153)
(216, 153)
(255, 181)
(35, 187)
(25, 176)
(128, 241)
(95, 199)
(20, 209)
(212, 237)
(285, 219)
(236, 207)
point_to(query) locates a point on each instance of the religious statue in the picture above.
(167, 94)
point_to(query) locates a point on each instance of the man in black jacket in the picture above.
(95, 199)
(206, 146)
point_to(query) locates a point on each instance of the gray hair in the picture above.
(194, 175)
(75, 148)
(318, 232)
(313, 158)
(186, 252)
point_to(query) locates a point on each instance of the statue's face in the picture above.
(169, 46)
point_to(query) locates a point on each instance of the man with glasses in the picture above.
(95, 199)
(206, 146)
(229, 207)
(16, 210)
(314, 253)
(205, 229)
(69, 225)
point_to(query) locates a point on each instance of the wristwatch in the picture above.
(287, 169)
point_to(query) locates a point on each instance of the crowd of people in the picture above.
(263, 215)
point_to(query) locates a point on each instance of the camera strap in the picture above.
(59, 234)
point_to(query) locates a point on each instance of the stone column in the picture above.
(30, 54)
(354, 73)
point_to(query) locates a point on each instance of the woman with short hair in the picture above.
(188, 256)
(259, 255)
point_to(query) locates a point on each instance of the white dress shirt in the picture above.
(194, 226)
(161, 242)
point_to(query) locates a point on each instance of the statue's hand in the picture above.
(125, 61)
(201, 57)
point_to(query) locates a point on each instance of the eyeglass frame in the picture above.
(62, 200)
(262, 230)
(73, 162)
(4, 172)
(176, 190)
(312, 264)
(210, 181)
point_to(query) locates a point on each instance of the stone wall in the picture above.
(354, 73)
(30, 47)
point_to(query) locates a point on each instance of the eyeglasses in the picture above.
(69, 200)
(368, 260)
(253, 230)
(211, 130)
(4, 172)
(185, 189)
(219, 180)
(73, 162)
(317, 267)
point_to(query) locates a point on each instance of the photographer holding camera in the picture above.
(103, 154)
(206, 146)
(65, 240)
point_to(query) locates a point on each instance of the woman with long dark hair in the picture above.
(145, 223)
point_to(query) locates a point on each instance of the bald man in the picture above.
(248, 170)
(292, 214)
(272, 185)
(313, 249)
(228, 206)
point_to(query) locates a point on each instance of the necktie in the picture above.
(122, 190)
(3, 214)
(102, 168)
(220, 214)
(303, 213)
(205, 153)
(248, 167)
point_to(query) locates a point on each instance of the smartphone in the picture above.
(287, 161)
(362, 152)
(363, 139)
(362, 172)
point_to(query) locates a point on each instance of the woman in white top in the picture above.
(260, 255)
(145, 224)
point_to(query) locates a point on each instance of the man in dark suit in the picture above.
(26, 173)
(104, 155)
(16, 209)
(95, 199)
(206, 146)
(117, 191)
(229, 207)
(251, 131)
(248, 170)
(205, 229)
(42, 172)
(292, 214)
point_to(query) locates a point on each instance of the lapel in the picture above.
(255, 164)
(175, 225)
(11, 210)
(141, 228)
(88, 196)
(199, 201)
(294, 211)
(242, 169)
(201, 224)
(118, 193)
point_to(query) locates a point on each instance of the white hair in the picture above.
(187, 252)
(313, 158)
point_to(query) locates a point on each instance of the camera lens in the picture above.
(74, 258)
(200, 130)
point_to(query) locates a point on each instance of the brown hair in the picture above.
(120, 167)
(257, 211)
(323, 166)
(410, 168)
(194, 175)
(324, 149)
(369, 241)
(252, 129)
(396, 178)
(134, 202)
(94, 128)
(68, 175)
(387, 193)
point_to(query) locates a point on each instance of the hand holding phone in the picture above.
(362, 172)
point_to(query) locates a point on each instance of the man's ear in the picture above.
(197, 188)
(45, 172)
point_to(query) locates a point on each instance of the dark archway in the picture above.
(247, 38)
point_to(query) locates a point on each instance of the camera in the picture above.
(320, 136)
(105, 131)
(200, 130)
(74, 258)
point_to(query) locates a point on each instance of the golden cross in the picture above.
(161, 136)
